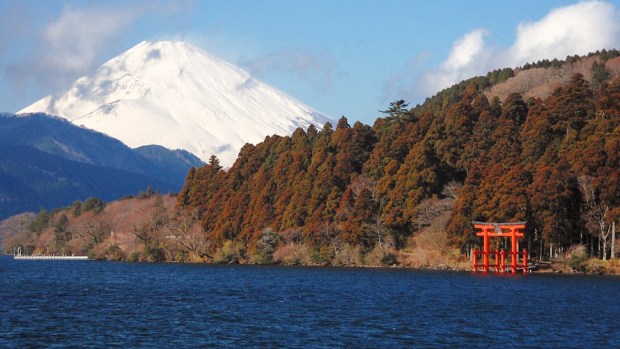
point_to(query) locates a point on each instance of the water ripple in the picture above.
(105, 304)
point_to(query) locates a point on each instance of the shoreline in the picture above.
(548, 270)
(556, 271)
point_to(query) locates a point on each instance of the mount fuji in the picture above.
(175, 95)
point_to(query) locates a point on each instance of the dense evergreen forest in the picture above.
(553, 163)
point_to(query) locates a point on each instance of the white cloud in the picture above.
(78, 39)
(466, 51)
(577, 29)
(581, 28)
(75, 40)
(467, 56)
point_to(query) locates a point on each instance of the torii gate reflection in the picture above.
(503, 230)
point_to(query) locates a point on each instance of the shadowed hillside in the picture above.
(48, 162)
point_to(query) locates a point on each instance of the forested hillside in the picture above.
(551, 162)
(403, 191)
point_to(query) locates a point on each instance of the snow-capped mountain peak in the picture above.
(175, 95)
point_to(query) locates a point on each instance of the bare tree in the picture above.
(92, 232)
(452, 190)
(329, 235)
(143, 232)
(595, 212)
(379, 233)
(360, 183)
(189, 233)
(151, 228)
(430, 210)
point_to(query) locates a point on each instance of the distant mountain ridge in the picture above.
(49, 162)
(173, 94)
(31, 179)
(57, 136)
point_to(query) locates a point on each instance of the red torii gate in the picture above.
(497, 230)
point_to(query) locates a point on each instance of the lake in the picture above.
(109, 304)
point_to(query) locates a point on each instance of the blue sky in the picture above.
(342, 57)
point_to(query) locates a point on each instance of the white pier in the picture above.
(18, 255)
(46, 257)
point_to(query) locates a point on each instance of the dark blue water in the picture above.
(106, 304)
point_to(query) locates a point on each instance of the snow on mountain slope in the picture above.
(173, 94)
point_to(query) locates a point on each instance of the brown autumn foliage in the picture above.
(404, 191)
(542, 81)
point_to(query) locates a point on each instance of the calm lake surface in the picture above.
(107, 304)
